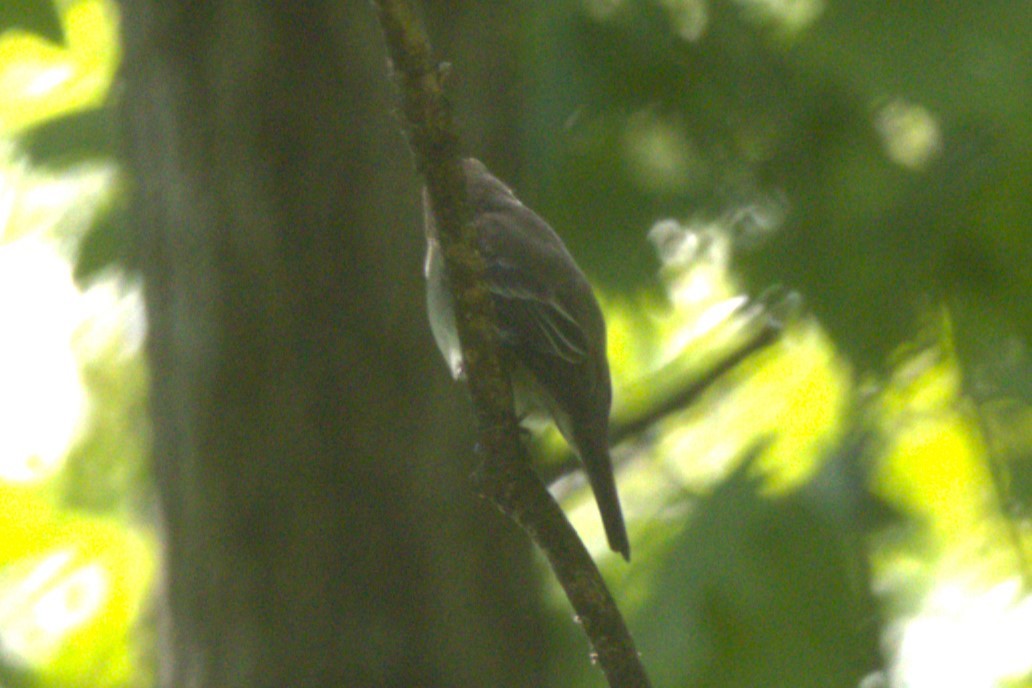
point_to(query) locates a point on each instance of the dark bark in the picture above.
(318, 522)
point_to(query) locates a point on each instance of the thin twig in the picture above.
(505, 477)
(769, 332)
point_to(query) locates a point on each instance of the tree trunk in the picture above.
(310, 455)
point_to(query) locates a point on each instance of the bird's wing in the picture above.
(530, 315)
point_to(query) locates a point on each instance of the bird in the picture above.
(550, 326)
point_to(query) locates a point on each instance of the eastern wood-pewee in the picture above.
(549, 323)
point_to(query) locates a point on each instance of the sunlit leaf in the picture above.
(66, 613)
(41, 80)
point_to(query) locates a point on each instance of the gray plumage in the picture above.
(549, 323)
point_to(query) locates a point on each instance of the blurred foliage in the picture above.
(772, 508)
(874, 158)
(850, 503)
(72, 590)
(873, 155)
(42, 79)
(76, 568)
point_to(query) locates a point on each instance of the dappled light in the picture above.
(968, 634)
(53, 599)
(911, 135)
(41, 80)
(42, 398)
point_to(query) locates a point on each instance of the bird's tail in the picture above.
(595, 455)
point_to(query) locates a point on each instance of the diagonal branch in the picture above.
(505, 477)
